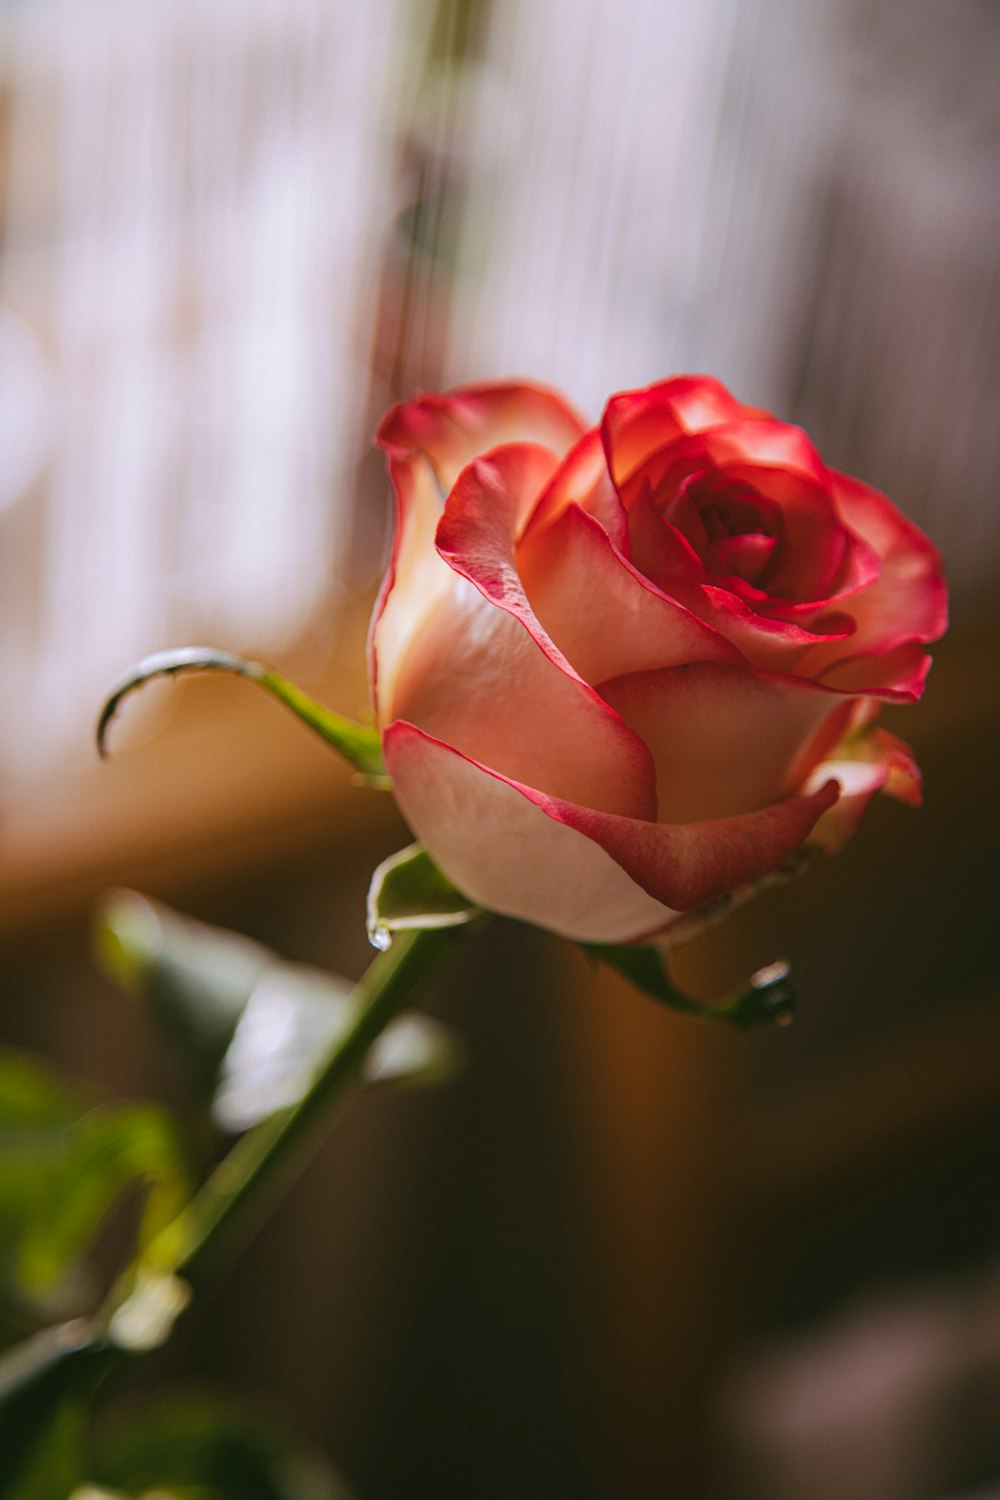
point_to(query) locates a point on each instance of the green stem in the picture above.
(238, 1181)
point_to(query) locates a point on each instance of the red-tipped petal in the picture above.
(457, 426)
(897, 676)
(482, 674)
(472, 834)
(637, 423)
(502, 850)
(901, 611)
(414, 580)
(870, 760)
(604, 615)
(727, 739)
(764, 442)
(770, 644)
(429, 440)
(685, 865)
(583, 479)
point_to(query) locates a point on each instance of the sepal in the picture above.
(767, 999)
(408, 891)
(357, 743)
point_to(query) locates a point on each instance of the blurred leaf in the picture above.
(146, 1318)
(409, 891)
(45, 1384)
(253, 1028)
(202, 1444)
(98, 1492)
(358, 743)
(292, 1023)
(416, 1050)
(64, 1164)
(767, 999)
(197, 979)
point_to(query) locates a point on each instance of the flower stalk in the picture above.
(234, 1191)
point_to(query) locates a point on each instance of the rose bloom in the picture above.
(622, 672)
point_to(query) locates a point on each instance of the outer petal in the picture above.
(501, 849)
(481, 673)
(506, 858)
(728, 740)
(414, 581)
(454, 428)
(601, 611)
(898, 676)
(429, 440)
(876, 762)
(905, 608)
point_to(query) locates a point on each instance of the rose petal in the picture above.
(414, 580)
(583, 479)
(454, 428)
(743, 557)
(904, 782)
(727, 739)
(685, 865)
(813, 546)
(770, 644)
(429, 440)
(657, 548)
(600, 610)
(813, 543)
(482, 839)
(764, 442)
(898, 676)
(906, 606)
(482, 674)
(858, 784)
(505, 854)
(637, 423)
(879, 762)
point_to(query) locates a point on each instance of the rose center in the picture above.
(734, 529)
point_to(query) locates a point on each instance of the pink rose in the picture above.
(624, 671)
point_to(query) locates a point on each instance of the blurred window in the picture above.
(192, 204)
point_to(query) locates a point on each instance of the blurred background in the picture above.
(626, 1254)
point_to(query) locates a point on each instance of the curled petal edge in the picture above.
(455, 427)
(681, 866)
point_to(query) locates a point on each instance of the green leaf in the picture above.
(197, 979)
(358, 743)
(409, 891)
(45, 1384)
(200, 1443)
(767, 999)
(295, 1018)
(63, 1165)
(252, 1028)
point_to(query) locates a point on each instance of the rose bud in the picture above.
(622, 672)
